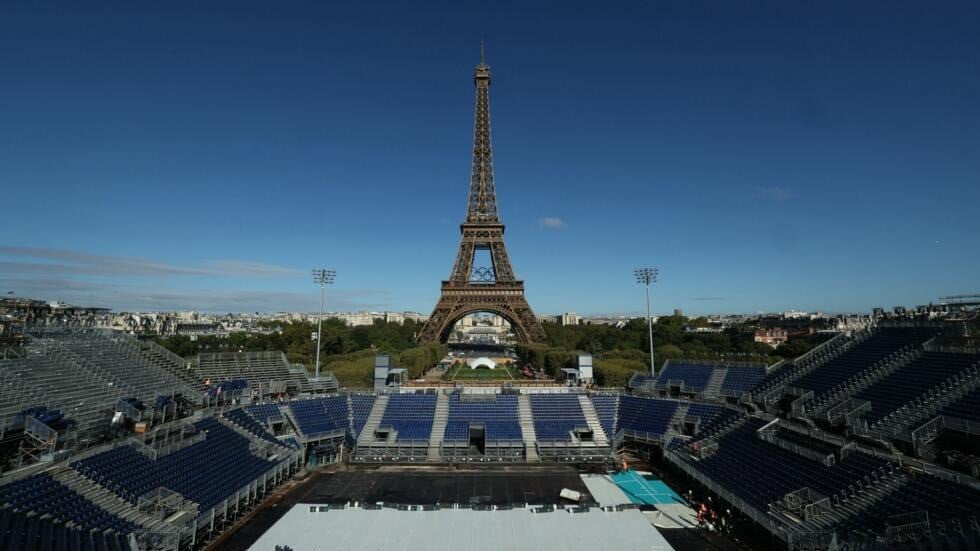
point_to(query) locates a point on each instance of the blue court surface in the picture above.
(645, 491)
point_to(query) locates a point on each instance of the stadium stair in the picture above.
(679, 416)
(299, 379)
(168, 361)
(592, 419)
(373, 420)
(160, 361)
(350, 416)
(439, 421)
(288, 415)
(721, 430)
(103, 498)
(713, 387)
(527, 428)
(235, 427)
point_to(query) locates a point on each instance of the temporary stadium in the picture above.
(869, 441)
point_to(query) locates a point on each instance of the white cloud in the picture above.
(255, 269)
(136, 296)
(65, 262)
(552, 223)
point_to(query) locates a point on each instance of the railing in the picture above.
(715, 363)
(949, 349)
(851, 412)
(161, 503)
(587, 448)
(812, 540)
(640, 436)
(395, 444)
(39, 430)
(867, 377)
(917, 465)
(156, 540)
(806, 363)
(833, 341)
(962, 425)
(129, 410)
(928, 403)
(798, 406)
(177, 360)
(907, 528)
(939, 326)
(927, 433)
(233, 498)
(804, 504)
(773, 438)
(322, 435)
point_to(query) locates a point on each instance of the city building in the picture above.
(569, 318)
(773, 336)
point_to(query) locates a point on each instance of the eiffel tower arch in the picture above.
(482, 279)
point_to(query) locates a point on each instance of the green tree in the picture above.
(616, 372)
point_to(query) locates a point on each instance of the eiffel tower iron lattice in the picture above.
(473, 287)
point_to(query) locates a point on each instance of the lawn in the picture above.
(463, 372)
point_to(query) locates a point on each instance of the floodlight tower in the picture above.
(322, 277)
(646, 276)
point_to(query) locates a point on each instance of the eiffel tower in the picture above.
(473, 287)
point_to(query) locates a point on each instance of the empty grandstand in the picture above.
(869, 441)
(269, 373)
(482, 425)
(175, 487)
(701, 380)
(84, 378)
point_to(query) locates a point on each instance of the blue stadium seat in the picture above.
(944, 501)
(264, 412)
(695, 376)
(639, 380)
(919, 375)
(647, 415)
(41, 494)
(710, 415)
(206, 472)
(742, 379)
(245, 420)
(881, 344)
(556, 415)
(607, 407)
(230, 386)
(410, 415)
(761, 473)
(361, 405)
(320, 415)
(498, 416)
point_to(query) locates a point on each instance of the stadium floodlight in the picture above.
(322, 277)
(646, 276)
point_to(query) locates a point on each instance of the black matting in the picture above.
(487, 487)
(423, 488)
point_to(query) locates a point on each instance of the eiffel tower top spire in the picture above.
(483, 195)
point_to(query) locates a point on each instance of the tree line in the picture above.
(618, 352)
(346, 351)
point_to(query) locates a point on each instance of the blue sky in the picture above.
(178, 155)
